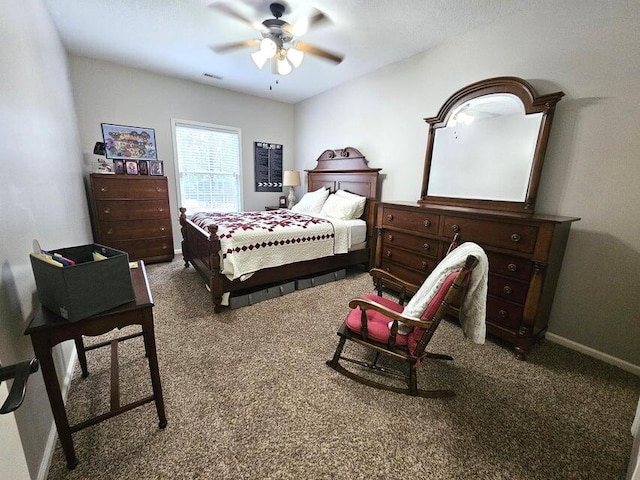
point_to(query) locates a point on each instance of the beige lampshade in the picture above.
(291, 178)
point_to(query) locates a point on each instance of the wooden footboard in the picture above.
(202, 249)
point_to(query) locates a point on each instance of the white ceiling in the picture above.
(173, 37)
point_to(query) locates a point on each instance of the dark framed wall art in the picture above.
(129, 143)
(268, 167)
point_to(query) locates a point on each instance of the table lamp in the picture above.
(291, 178)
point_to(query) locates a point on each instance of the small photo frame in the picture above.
(131, 167)
(143, 167)
(118, 167)
(156, 167)
(283, 202)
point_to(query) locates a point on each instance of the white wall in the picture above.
(590, 50)
(42, 196)
(109, 93)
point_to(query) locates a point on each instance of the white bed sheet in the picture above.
(356, 231)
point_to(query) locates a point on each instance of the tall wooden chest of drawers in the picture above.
(525, 255)
(131, 213)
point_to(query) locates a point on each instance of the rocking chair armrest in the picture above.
(365, 304)
(384, 275)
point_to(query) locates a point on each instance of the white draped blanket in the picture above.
(251, 241)
(474, 305)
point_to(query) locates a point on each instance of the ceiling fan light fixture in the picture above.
(259, 58)
(268, 47)
(283, 66)
(295, 56)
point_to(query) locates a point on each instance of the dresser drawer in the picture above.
(512, 236)
(150, 247)
(409, 259)
(420, 245)
(135, 188)
(135, 229)
(108, 210)
(508, 289)
(415, 219)
(514, 267)
(405, 274)
(503, 313)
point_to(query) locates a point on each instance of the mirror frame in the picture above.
(532, 102)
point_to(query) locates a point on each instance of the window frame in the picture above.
(175, 122)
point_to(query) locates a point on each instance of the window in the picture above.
(208, 165)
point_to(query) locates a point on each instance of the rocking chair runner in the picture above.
(377, 323)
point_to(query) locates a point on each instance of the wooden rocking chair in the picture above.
(374, 323)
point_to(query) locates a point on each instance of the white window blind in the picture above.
(208, 158)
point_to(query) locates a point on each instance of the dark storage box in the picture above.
(87, 288)
(242, 299)
(309, 282)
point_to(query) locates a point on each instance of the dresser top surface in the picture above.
(466, 211)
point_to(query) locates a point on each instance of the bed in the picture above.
(346, 170)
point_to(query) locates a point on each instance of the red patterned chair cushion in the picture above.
(378, 324)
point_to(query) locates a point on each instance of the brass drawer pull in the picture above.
(507, 290)
(110, 231)
(107, 210)
(515, 237)
(424, 264)
(104, 189)
(426, 246)
(164, 246)
(455, 228)
(389, 217)
(390, 238)
(162, 229)
(389, 253)
(158, 189)
(502, 313)
(160, 209)
(427, 223)
(512, 267)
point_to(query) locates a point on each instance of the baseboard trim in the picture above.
(623, 364)
(47, 456)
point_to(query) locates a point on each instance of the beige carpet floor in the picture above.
(248, 396)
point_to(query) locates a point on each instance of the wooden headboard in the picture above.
(347, 169)
(344, 169)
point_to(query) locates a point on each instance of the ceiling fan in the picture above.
(279, 42)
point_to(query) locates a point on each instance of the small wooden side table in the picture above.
(48, 329)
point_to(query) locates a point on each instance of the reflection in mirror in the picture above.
(486, 140)
(486, 146)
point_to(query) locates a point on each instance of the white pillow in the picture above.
(360, 199)
(311, 202)
(339, 207)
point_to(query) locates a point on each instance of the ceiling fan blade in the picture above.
(232, 46)
(302, 25)
(319, 52)
(233, 13)
(317, 18)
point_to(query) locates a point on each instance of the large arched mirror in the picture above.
(486, 146)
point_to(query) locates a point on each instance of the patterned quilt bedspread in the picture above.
(251, 241)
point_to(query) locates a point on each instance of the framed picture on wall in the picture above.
(156, 168)
(129, 143)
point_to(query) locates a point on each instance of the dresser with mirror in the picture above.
(482, 169)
